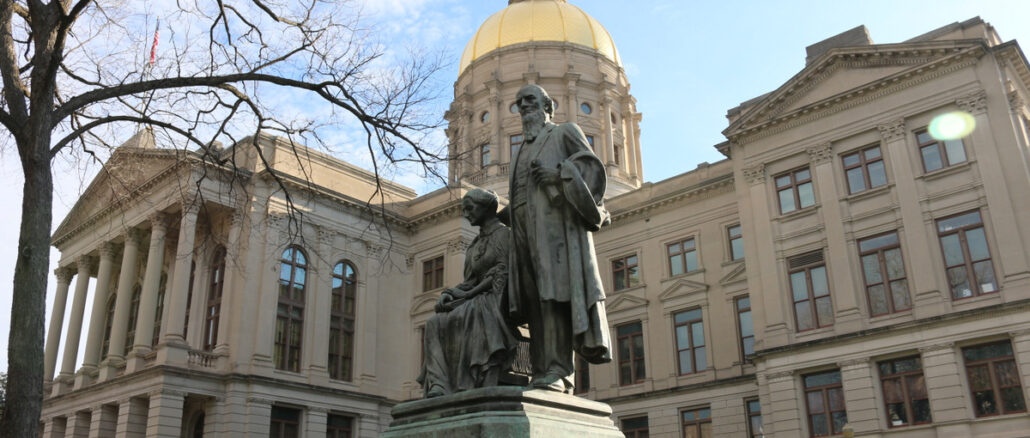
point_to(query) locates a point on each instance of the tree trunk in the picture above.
(25, 341)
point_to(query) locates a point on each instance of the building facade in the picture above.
(844, 268)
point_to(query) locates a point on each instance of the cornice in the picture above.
(328, 194)
(705, 188)
(960, 58)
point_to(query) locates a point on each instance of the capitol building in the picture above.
(846, 269)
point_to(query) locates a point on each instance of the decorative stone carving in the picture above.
(948, 346)
(64, 275)
(820, 153)
(326, 235)
(755, 174)
(373, 250)
(88, 262)
(160, 220)
(1016, 100)
(134, 235)
(457, 246)
(276, 221)
(973, 103)
(107, 250)
(892, 130)
(409, 260)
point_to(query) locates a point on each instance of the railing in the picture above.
(204, 359)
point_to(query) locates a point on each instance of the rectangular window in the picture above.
(682, 257)
(690, 342)
(339, 426)
(884, 273)
(625, 272)
(631, 353)
(285, 423)
(617, 150)
(754, 418)
(904, 392)
(994, 379)
(697, 423)
(824, 398)
(864, 169)
(736, 239)
(967, 259)
(635, 427)
(484, 155)
(939, 154)
(582, 375)
(432, 274)
(811, 291)
(745, 326)
(514, 143)
(795, 190)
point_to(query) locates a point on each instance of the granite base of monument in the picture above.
(503, 411)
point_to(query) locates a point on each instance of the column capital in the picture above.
(820, 153)
(973, 103)
(86, 262)
(236, 216)
(133, 235)
(755, 174)
(65, 274)
(160, 220)
(1016, 100)
(190, 203)
(107, 251)
(892, 130)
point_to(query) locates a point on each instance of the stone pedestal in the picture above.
(503, 411)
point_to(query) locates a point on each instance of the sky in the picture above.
(688, 63)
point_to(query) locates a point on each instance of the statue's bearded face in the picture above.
(533, 108)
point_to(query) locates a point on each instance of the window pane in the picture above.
(871, 267)
(1012, 400)
(691, 261)
(786, 201)
(892, 391)
(819, 425)
(685, 366)
(746, 327)
(682, 338)
(625, 374)
(979, 378)
(899, 292)
(639, 365)
(821, 379)
(952, 223)
(1006, 373)
(802, 175)
(629, 329)
(819, 285)
(955, 151)
(916, 386)
(744, 303)
(783, 181)
(803, 310)
(952, 250)
(689, 315)
(620, 280)
(878, 300)
(799, 286)
(872, 153)
(638, 346)
(632, 276)
(825, 310)
(839, 420)
(977, 244)
(983, 402)
(698, 332)
(851, 160)
(931, 158)
(895, 267)
(924, 137)
(624, 349)
(805, 195)
(877, 174)
(921, 411)
(878, 242)
(676, 264)
(856, 181)
(737, 247)
(959, 283)
(836, 397)
(749, 345)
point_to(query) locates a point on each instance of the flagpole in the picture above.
(148, 68)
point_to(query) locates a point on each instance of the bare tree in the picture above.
(76, 72)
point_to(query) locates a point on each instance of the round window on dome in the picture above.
(586, 108)
(514, 108)
(485, 117)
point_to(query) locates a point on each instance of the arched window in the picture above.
(160, 309)
(214, 300)
(341, 322)
(130, 334)
(108, 320)
(289, 320)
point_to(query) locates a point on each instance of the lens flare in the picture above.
(951, 126)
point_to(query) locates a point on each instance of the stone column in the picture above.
(926, 298)
(1021, 351)
(132, 418)
(103, 421)
(95, 338)
(77, 425)
(315, 421)
(771, 311)
(860, 390)
(785, 417)
(122, 305)
(164, 418)
(53, 427)
(174, 320)
(320, 298)
(148, 297)
(948, 396)
(74, 334)
(53, 335)
(259, 416)
(231, 281)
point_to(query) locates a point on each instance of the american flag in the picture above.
(153, 47)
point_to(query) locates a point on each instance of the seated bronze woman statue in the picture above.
(468, 342)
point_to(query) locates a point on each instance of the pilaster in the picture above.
(103, 421)
(1021, 351)
(53, 427)
(132, 418)
(315, 421)
(259, 416)
(860, 395)
(784, 416)
(164, 417)
(944, 376)
(77, 425)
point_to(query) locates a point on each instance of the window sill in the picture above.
(945, 171)
(891, 317)
(869, 193)
(810, 333)
(976, 299)
(732, 262)
(683, 275)
(290, 374)
(631, 288)
(796, 214)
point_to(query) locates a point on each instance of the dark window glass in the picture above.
(590, 141)
(884, 273)
(994, 379)
(514, 142)
(736, 242)
(635, 427)
(625, 272)
(484, 155)
(617, 150)
(582, 375)
(682, 257)
(754, 417)
(864, 169)
(432, 274)
(745, 326)
(939, 154)
(339, 426)
(794, 190)
(691, 351)
(160, 309)
(189, 301)
(285, 423)
(697, 423)
(630, 338)
(341, 321)
(289, 323)
(824, 399)
(811, 292)
(967, 258)
(108, 321)
(904, 392)
(130, 333)
(214, 300)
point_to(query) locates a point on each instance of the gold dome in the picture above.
(539, 20)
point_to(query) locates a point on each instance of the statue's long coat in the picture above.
(561, 231)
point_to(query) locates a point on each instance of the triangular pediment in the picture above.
(124, 174)
(682, 288)
(738, 273)
(843, 74)
(624, 302)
